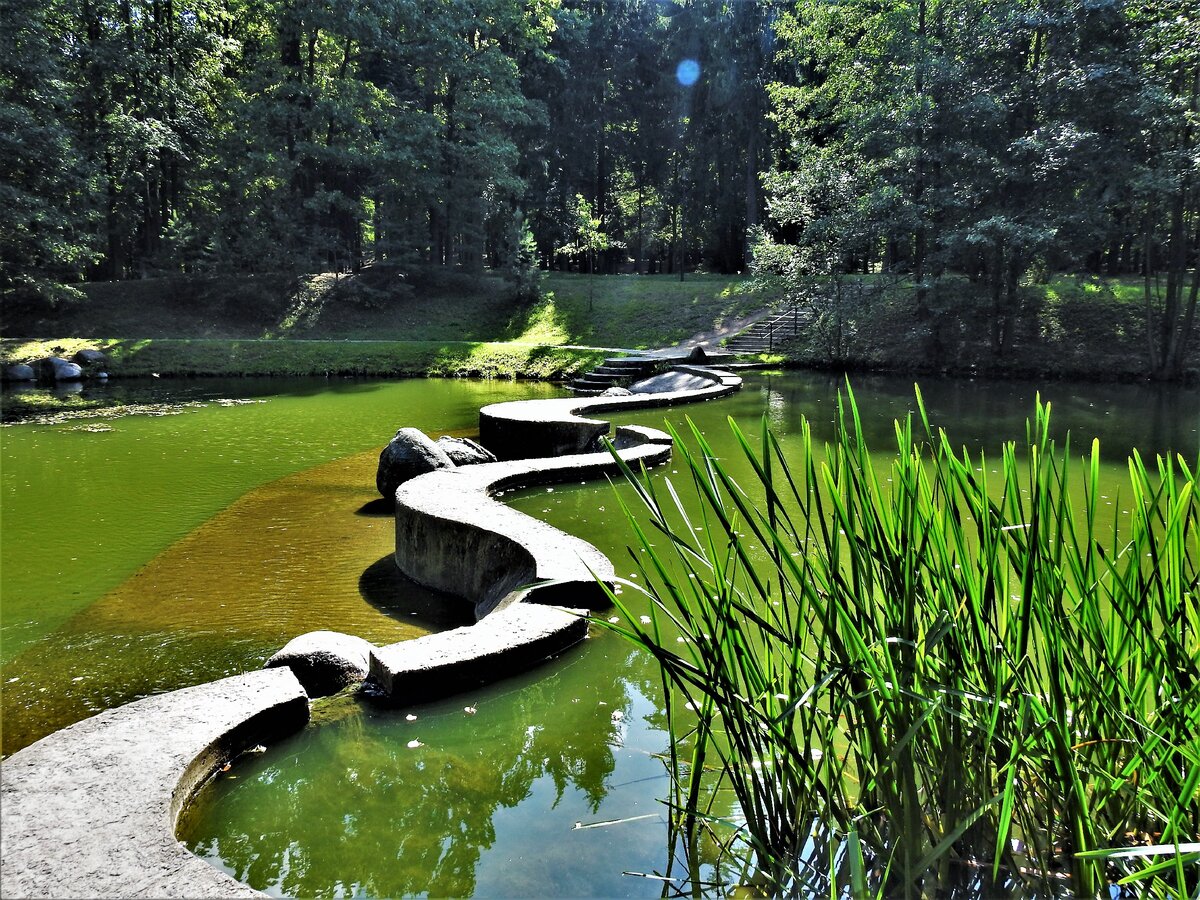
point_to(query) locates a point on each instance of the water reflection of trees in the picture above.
(348, 807)
(1155, 418)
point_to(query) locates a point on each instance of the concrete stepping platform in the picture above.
(512, 640)
(91, 811)
(452, 535)
(519, 428)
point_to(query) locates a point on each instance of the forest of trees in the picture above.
(994, 140)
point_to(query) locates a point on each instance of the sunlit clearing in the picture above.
(546, 324)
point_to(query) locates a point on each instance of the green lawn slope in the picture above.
(378, 323)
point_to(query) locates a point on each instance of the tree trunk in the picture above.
(751, 197)
(1152, 345)
(1178, 314)
(996, 277)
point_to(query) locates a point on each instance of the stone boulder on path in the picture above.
(409, 454)
(325, 661)
(465, 452)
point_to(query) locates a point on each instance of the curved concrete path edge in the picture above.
(452, 515)
(92, 810)
(543, 428)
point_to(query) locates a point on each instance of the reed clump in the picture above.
(920, 678)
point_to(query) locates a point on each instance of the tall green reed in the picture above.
(931, 679)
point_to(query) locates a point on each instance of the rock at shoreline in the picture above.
(91, 360)
(409, 454)
(616, 392)
(325, 661)
(465, 452)
(55, 368)
(697, 355)
(19, 372)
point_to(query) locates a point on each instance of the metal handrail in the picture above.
(774, 326)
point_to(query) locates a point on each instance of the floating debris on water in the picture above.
(121, 410)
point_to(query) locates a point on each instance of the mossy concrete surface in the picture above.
(90, 811)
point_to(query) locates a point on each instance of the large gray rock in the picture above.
(616, 392)
(325, 661)
(55, 368)
(674, 381)
(19, 372)
(465, 452)
(91, 359)
(409, 454)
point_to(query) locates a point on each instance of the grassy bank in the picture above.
(630, 311)
(223, 357)
(1069, 327)
(378, 323)
(638, 311)
(155, 357)
(375, 324)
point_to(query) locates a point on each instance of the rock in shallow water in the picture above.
(465, 452)
(55, 368)
(18, 372)
(325, 661)
(409, 454)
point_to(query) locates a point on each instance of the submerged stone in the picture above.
(409, 454)
(465, 452)
(325, 661)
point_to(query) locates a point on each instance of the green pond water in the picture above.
(175, 549)
(142, 553)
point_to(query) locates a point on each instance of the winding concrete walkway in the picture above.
(451, 515)
(544, 428)
(91, 811)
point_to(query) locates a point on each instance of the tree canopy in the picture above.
(925, 139)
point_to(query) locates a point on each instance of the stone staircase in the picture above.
(617, 371)
(765, 335)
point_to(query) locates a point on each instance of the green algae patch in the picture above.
(89, 502)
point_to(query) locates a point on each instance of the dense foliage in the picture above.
(999, 140)
(147, 136)
(929, 673)
(925, 139)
